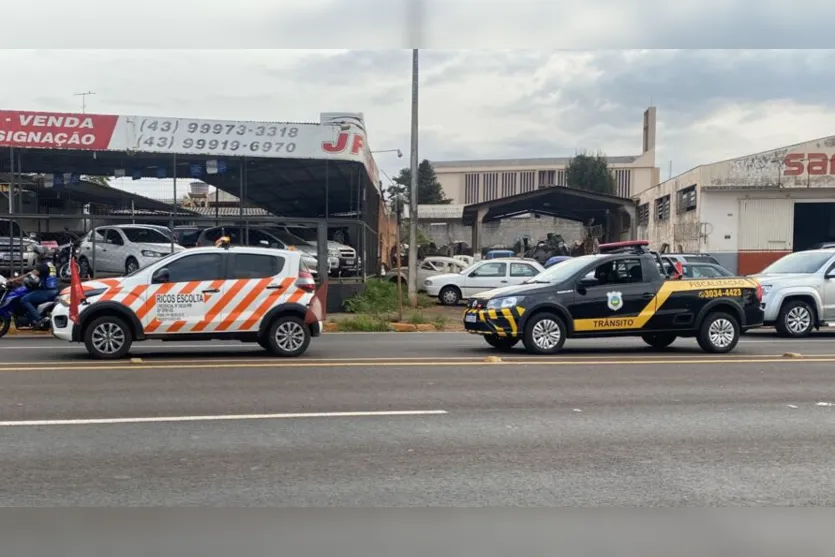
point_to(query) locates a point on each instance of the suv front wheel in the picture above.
(796, 319)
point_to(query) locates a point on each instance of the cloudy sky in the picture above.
(712, 104)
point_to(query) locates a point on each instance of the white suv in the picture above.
(124, 249)
(239, 293)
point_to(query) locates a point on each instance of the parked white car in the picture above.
(799, 292)
(482, 276)
(124, 249)
(429, 267)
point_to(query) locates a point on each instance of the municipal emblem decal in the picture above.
(615, 301)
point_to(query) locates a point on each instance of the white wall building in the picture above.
(747, 211)
(475, 181)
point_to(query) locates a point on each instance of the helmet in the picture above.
(31, 281)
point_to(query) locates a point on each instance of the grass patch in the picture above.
(417, 318)
(364, 324)
(380, 299)
(439, 321)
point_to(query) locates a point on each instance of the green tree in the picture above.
(590, 173)
(429, 189)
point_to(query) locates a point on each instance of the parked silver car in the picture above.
(799, 292)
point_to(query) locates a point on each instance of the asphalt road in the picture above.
(419, 419)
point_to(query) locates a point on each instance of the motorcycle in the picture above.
(62, 257)
(12, 311)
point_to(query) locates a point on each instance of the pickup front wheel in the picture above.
(719, 333)
(796, 319)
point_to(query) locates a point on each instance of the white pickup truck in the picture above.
(799, 292)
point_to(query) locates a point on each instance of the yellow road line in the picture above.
(526, 362)
(429, 359)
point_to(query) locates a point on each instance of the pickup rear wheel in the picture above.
(659, 340)
(719, 333)
(544, 334)
(796, 319)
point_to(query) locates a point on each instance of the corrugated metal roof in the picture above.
(440, 212)
(230, 211)
(511, 163)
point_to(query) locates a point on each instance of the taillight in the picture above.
(759, 292)
(306, 282)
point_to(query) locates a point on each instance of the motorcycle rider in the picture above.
(43, 283)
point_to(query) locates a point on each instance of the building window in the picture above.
(662, 208)
(471, 183)
(491, 186)
(686, 199)
(623, 182)
(528, 181)
(547, 178)
(560, 178)
(508, 184)
(643, 214)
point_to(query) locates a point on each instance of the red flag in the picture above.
(76, 291)
(318, 305)
(679, 269)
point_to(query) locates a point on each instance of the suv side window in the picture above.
(256, 237)
(254, 266)
(197, 267)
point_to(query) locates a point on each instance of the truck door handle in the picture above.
(274, 287)
(504, 281)
(647, 295)
(212, 291)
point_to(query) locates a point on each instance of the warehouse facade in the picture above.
(748, 211)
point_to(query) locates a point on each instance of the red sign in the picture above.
(341, 143)
(816, 164)
(50, 130)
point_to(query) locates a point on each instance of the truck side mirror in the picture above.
(161, 276)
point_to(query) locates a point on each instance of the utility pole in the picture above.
(84, 100)
(413, 197)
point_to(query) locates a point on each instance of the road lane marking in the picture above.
(392, 364)
(232, 417)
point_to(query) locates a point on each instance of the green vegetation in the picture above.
(380, 299)
(364, 324)
(590, 173)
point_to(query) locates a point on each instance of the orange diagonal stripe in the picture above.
(245, 303)
(212, 314)
(274, 296)
(152, 300)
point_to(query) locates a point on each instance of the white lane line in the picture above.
(234, 417)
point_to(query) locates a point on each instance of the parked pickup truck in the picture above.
(799, 292)
(618, 292)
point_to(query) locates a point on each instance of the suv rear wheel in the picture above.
(719, 333)
(796, 319)
(288, 337)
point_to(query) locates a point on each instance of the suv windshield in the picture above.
(564, 270)
(286, 236)
(801, 262)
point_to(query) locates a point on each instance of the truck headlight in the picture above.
(767, 288)
(502, 303)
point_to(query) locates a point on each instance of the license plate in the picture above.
(470, 318)
(349, 261)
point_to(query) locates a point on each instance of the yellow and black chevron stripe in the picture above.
(502, 322)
